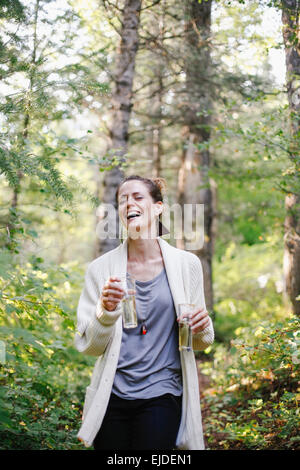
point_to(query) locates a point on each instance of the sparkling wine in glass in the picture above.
(185, 331)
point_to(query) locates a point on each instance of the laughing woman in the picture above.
(144, 392)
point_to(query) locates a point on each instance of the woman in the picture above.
(143, 393)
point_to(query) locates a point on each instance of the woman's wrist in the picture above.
(107, 316)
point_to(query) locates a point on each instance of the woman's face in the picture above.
(137, 210)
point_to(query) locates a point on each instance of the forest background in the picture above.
(204, 94)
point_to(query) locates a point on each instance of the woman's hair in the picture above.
(156, 187)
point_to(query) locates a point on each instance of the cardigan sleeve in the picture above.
(95, 325)
(205, 337)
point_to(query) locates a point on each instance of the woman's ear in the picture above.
(158, 208)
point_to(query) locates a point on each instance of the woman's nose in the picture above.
(130, 202)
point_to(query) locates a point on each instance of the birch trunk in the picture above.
(121, 107)
(157, 132)
(194, 183)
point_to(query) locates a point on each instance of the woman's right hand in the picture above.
(112, 294)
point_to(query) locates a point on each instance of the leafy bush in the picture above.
(43, 377)
(252, 402)
(248, 287)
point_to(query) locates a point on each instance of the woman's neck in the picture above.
(142, 250)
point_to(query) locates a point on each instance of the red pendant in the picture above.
(144, 330)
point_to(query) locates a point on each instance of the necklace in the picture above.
(144, 329)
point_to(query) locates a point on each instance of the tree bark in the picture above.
(157, 130)
(157, 133)
(121, 108)
(194, 182)
(291, 37)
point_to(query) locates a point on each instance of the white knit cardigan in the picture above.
(99, 333)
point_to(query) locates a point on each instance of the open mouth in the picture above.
(132, 215)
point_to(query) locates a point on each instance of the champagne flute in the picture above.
(185, 330)
(128, 302)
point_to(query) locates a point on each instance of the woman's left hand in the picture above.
(199, 320)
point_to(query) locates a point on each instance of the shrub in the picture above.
(252, 402)
(43, 377)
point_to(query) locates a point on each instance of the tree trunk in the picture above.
(121, 108)
(157, 150)
(290, 20)
(194, 182)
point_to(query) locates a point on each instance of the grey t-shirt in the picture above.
(149, 365)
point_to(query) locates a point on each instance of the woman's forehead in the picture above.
(133, 186)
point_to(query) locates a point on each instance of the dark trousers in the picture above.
(141, 424)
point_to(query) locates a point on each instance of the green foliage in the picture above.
(43, 377)
(248, 286)
(11, 9)
(253, 399)
(256, 172)
(41, 92)
(260, 140)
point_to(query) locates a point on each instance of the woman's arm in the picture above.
(95, 325)
(204, 338)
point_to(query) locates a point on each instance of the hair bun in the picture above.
(161, 183)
